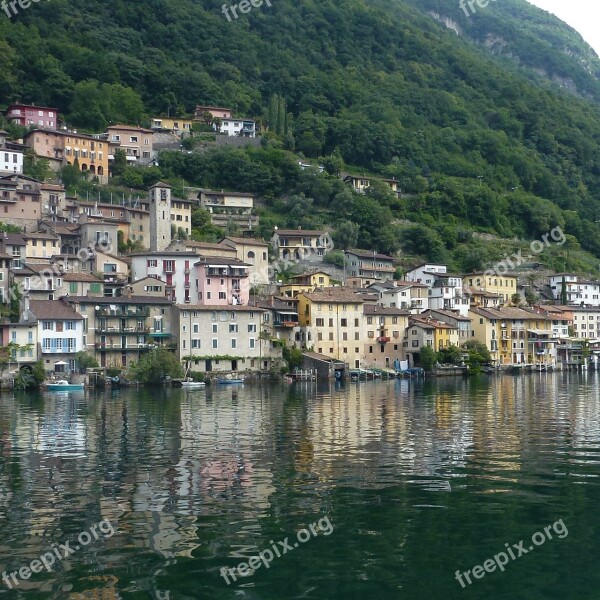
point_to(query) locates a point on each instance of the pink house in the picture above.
(30, 115)
(222, 282)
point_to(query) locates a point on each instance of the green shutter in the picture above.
(72, 288)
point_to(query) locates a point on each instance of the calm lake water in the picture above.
(417, 479)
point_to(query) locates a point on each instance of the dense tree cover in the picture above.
(475, 138)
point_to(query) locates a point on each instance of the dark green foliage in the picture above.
(293, 357)
(475, 140)
(156, 366)
(427, 358)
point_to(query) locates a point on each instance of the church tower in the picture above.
(160, 216)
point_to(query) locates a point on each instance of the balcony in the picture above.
(169, 268)
(120, 311)
(107, 346)
(383, 339)
(286, 324)
(122, 330)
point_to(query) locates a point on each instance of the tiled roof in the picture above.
(83, 277)
(509, 313)
(368, 254)
(247, 241)
(376, 309)
(299, 232)
(334, 296)
(53, 310)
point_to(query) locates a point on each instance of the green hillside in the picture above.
(480, 136)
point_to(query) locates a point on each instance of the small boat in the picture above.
(190, 384)
(64, 386)
(224, 381)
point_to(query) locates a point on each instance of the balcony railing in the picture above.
(106, 346)
(104, 311)
(124, 330)
(383, 339)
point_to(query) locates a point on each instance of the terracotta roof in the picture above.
(299, 232)
(429, 323)
(334, 296)
(509, 313)
(376, 309)
(40, 235)
(53, 310)
(224, 193)
(13, 239)
(129, 128)
(247, 241)
(220, 260)
(369, 254)
(83, 277)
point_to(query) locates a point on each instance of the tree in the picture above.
(156, 366)
(86, 361)
(563, 291)
(293, 357)
(451, 355)
(38, 168)
(479, 355)
(427, 358)
(515, 299)
(345, 235)
(120, 163)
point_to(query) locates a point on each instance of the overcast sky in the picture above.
(582, 15)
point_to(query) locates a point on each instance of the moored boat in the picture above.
(64, 386)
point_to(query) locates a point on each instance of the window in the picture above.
(344, 322)
(252, 328)
(320, 322)
(196, 344)
(233, 328)
(222, 295)
(252, 343)
(215, 328)
(72, 288)
(233, 342)
(48, 326)
(215, 343)
(70, 325)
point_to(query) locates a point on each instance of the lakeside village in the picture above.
(74, 309)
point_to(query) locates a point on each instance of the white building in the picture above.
(586, 323)
(206, 334)
(11, 161)
(579, 292)
(424, 273)
(173, 268)
(238, 127)
(447, 293)
(60, 332)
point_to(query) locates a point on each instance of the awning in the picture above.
(540, 331)
(60, 363)
(283, 312)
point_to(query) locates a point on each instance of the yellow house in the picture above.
(178, 125)
(333, 322)
(181, 214)
(306, 282)
(492, 283)
(91, 153)
(514, 336)
(444, 334)
(360, 183)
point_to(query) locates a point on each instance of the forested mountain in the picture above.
(494, 128)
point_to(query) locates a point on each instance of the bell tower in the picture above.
(160, 216)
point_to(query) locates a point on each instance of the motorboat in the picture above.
(64, 386)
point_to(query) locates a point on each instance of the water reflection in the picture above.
(193, 479)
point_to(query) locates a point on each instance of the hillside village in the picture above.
(66, 289)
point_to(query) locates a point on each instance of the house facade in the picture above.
(69, 147)
(225, 339)
(29, 115)
(362, 263)
(136, 142)
(301, 244)
(254, 253)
